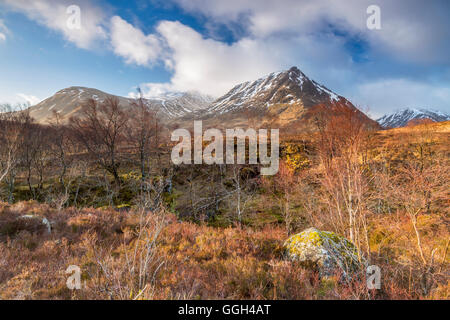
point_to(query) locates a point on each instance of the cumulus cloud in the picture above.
(196, 63)
(29, 99)
(213, 66)
(132, 44)
(53, 14)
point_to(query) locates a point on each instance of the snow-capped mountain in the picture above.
(288, 87)
(177, 104)
(286, 99)
(402, 117)
(68, 102)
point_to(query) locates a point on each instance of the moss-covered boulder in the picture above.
(324, 251)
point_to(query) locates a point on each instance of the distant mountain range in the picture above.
(285, 99)
(68, 102)
(405, 116)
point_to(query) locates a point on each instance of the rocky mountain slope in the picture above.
(288, 87)
(286, 99)
(68, 102)
(178, 104)
(402, 117)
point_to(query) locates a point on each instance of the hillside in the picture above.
(68, 103)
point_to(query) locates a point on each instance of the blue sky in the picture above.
(212, 45)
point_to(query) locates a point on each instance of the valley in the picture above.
(90, 178)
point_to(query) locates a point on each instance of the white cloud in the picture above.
(152, 90)
(132, 44)
(3, 31)
(388, 95)
(411, 29)
(30, 99)
(53, 14)
(198, 64)
(212, 66)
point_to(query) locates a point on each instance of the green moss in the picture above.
(316, 238)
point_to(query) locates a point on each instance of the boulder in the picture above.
(324, 251)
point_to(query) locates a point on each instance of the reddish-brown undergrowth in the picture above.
(189, 261)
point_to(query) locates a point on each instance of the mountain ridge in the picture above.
(284, 99)
(404, 116)
(290, 86)
(68, 102)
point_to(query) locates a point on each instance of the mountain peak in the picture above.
(290, 87)
(403, 116)
(295, 70)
